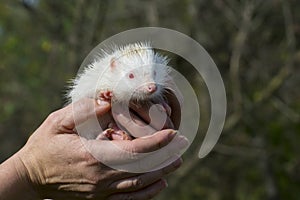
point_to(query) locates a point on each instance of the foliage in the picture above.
(254, 43)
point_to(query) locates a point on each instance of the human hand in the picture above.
(146, 118)
(59, 164)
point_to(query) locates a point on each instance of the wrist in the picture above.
(16, 181)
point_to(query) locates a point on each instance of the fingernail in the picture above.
(102, 103)
(172, 134)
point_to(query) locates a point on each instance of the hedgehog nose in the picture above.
(151, 87)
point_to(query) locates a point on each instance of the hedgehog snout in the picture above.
(151, 87)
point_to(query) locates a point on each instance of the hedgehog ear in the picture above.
(113, 63)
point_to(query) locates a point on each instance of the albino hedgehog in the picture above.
(133, 72)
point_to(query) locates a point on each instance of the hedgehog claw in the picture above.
(105, 95)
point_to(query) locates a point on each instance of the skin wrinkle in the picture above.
(59, 166)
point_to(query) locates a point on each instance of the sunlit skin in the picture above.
(55, 164)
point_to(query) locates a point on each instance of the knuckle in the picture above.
(138, 182)
(91, 189)
(130, 150)
(129, 185)
(54, 117)
(89, 159)
(54, 120)
(86, 155)
(95, 180)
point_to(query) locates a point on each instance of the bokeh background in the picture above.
(255, 44)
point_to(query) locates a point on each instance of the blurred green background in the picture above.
(254, 43)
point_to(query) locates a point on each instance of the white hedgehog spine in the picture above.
(127, 72)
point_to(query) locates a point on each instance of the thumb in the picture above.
(65, 119)
(127, 151)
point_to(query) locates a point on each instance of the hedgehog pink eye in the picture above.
(131, 75)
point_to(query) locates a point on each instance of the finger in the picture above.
(76, 113)
(172, 167)
(143, 194)
(63, 194)
(143, 180)
(135, 126)
(159, 117)
(85, 109)
(117, 152)
(154, 114)
(155, 160)
(167, 108)
(142, 110)
(151, 143)
(157, 123)
(171, 162)
(166, 155)
(175, 105)
(138, 128)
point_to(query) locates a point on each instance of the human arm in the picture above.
(54, 163)
(14, 181)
